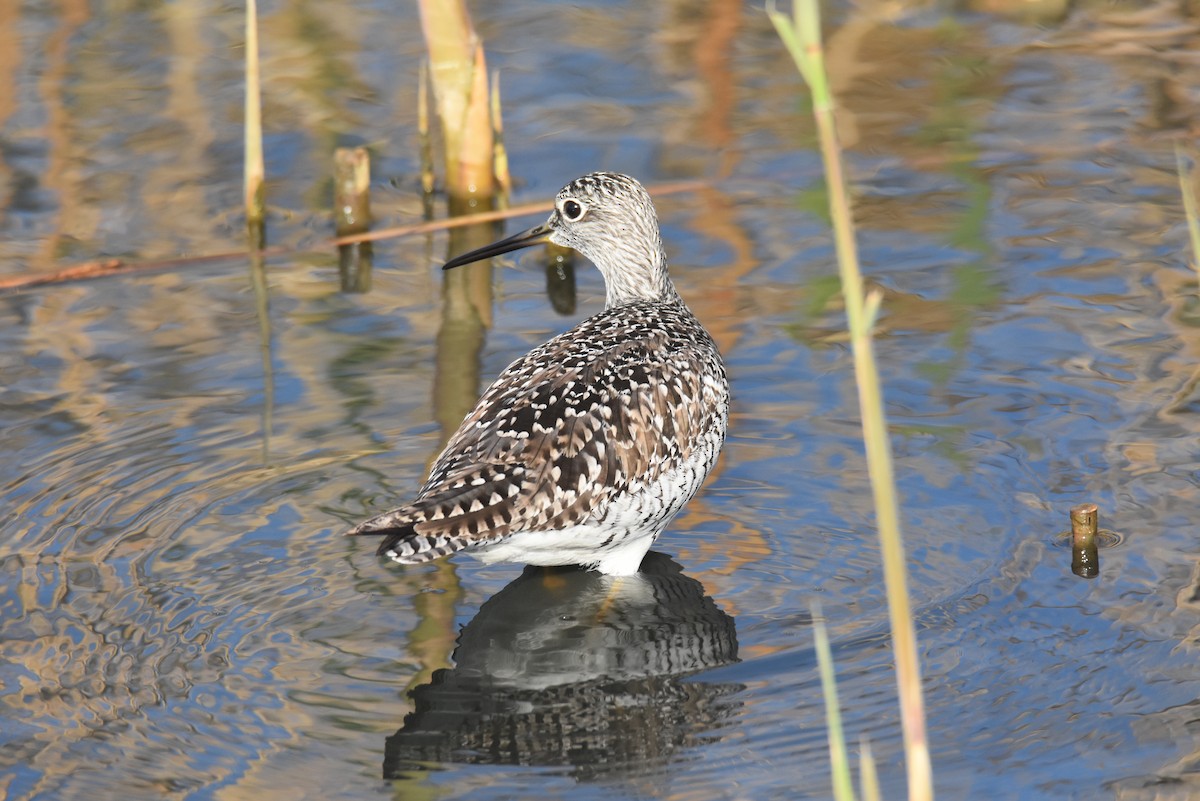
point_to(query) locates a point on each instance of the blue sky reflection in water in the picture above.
(179, 617)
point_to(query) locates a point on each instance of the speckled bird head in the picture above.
(610, 219)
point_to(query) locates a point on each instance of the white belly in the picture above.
(615, 539)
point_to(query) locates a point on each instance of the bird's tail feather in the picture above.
(403, 543)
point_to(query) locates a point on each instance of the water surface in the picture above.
(180, 618)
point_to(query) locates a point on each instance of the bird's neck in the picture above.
(647, 283)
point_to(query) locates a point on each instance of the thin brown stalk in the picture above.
(117, 267)
(672, 188)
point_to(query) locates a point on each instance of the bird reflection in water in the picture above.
(568, 667)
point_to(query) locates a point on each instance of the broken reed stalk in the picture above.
(802, 36)
(253, 171)
(1187, 190)
(460, 92)
(1085, 551)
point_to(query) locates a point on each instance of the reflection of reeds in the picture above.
(459, 79)
(802, 36)
(1187, 190)
(258, 278)
(499, 153)
(426, 146)
(253, 170)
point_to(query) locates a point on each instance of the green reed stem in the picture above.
(867, 772)
(801, 34)
(839, 764)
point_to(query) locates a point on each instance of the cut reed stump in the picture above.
(351, 190)
(352, 215)
(1085, 553)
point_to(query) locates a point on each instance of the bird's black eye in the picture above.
(572, 210)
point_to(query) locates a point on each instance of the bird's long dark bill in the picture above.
(533, 236)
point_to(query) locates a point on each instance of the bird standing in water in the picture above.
(584, 449)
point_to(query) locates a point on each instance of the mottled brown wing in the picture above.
(560, 432)
(569, 435)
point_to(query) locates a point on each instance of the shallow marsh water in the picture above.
(179, 617)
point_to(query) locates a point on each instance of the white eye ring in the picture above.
(572, 210)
